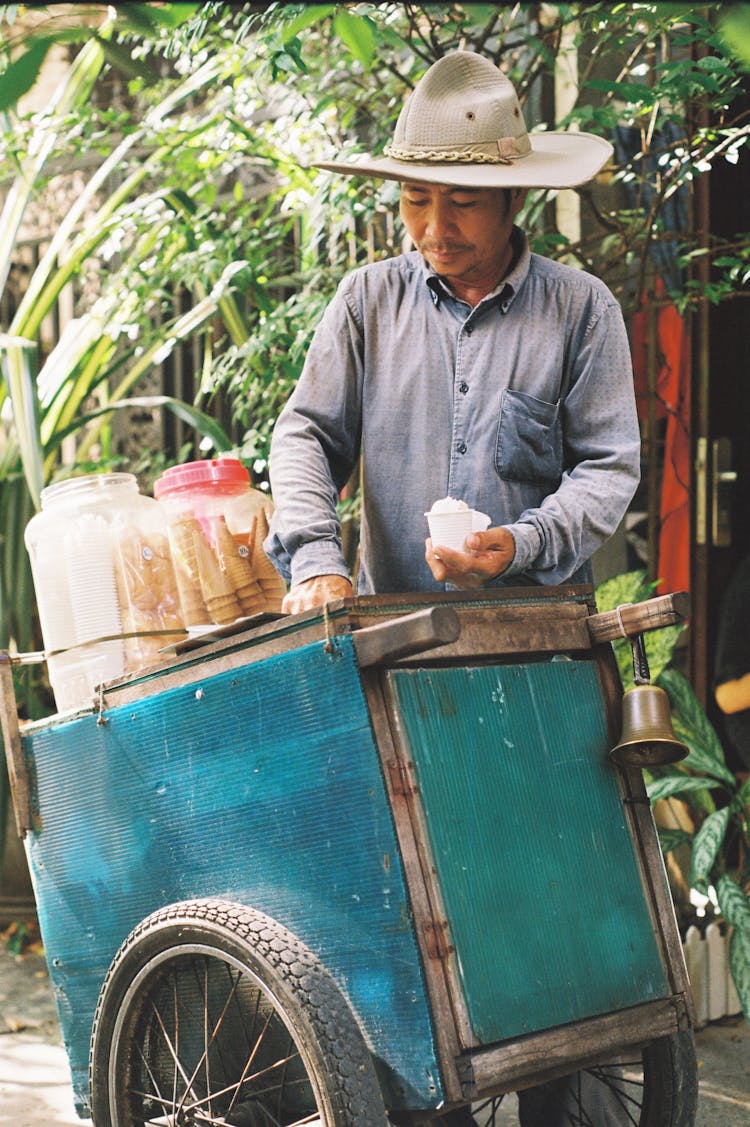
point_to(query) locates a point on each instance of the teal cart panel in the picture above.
(262, 785)
(535, 862)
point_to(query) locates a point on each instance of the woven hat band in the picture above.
(503, 151)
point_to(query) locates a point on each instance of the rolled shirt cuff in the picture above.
(319, 557)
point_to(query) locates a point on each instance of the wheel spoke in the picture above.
(211, 1083)
(601, 1095)
(214, 1015)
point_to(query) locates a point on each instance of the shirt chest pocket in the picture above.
(529, 439)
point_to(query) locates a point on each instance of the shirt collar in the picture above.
(505, 291)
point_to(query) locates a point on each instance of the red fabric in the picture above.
(672, 402)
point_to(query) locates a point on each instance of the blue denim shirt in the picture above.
(522, 406)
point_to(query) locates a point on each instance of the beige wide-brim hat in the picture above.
(462, 126)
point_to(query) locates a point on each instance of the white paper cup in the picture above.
(451, 529)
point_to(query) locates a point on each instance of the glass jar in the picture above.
(217, 524)
(104, 582)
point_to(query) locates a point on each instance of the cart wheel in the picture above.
(658, 1087)
(213, 1013)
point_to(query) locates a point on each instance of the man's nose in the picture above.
(439, 220)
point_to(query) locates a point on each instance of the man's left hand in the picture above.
(486, 555)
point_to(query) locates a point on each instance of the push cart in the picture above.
(367, 865)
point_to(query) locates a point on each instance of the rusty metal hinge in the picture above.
(436, 936)
(401, 780)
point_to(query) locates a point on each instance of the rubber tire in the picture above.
(189, 953)
(670, 1095)
(669, 1092)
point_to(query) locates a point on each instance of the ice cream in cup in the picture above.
(451, 521)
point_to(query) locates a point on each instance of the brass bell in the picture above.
(647, 739)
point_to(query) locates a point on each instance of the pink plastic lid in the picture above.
(219, 472)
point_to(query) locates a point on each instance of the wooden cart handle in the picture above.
(401, 637)
(632, 619)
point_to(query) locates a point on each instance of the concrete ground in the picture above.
(35, 1086)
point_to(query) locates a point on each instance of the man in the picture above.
(467, 368)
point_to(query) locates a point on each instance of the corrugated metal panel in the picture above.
(534, 858)
(261, 784)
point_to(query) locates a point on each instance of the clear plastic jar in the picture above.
(217, 525)
(104, 582)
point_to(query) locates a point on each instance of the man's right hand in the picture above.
(316, 592)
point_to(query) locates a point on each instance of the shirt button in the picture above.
(463, 387)
(462, 447)
(469, 330)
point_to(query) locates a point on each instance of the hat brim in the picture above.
(556, 160)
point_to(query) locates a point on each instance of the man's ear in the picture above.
(517, 199)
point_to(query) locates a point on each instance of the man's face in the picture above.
(464, 233)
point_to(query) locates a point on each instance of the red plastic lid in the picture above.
(219, 472)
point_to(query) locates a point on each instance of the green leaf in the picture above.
(692, 726)
(77, 88)
(739, 965)
(733, 902)
(22, 74)
(149, 19)
(356, 33)
(673, 839)
(18, 362)
(706, 846)
(312, 14)
(677, 784)
(734, 27)
(189, 414)
(624, 91)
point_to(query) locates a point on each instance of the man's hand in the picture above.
(316, 592)
(486, 555)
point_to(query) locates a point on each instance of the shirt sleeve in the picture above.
(601, 458)
(314, 449)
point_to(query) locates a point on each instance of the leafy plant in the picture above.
(108, 348)
(717, 800)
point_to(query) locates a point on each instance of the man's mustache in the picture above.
(441, 248)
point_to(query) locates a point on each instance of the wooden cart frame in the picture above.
(399, 633)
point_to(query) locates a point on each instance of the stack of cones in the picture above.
(182, 538)
(216, 586)
(221, 576)
(234, 560)
(271, 584)
(148, 595)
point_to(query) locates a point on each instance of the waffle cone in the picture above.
(214, 583)
(224, 609)
(182, 540)
(233, 563)
(262, 566)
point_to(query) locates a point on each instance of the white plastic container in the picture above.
(104, 582)
(217, 525)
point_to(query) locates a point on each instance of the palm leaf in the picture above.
(74, 91)
(18, 362)
(189, 414)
